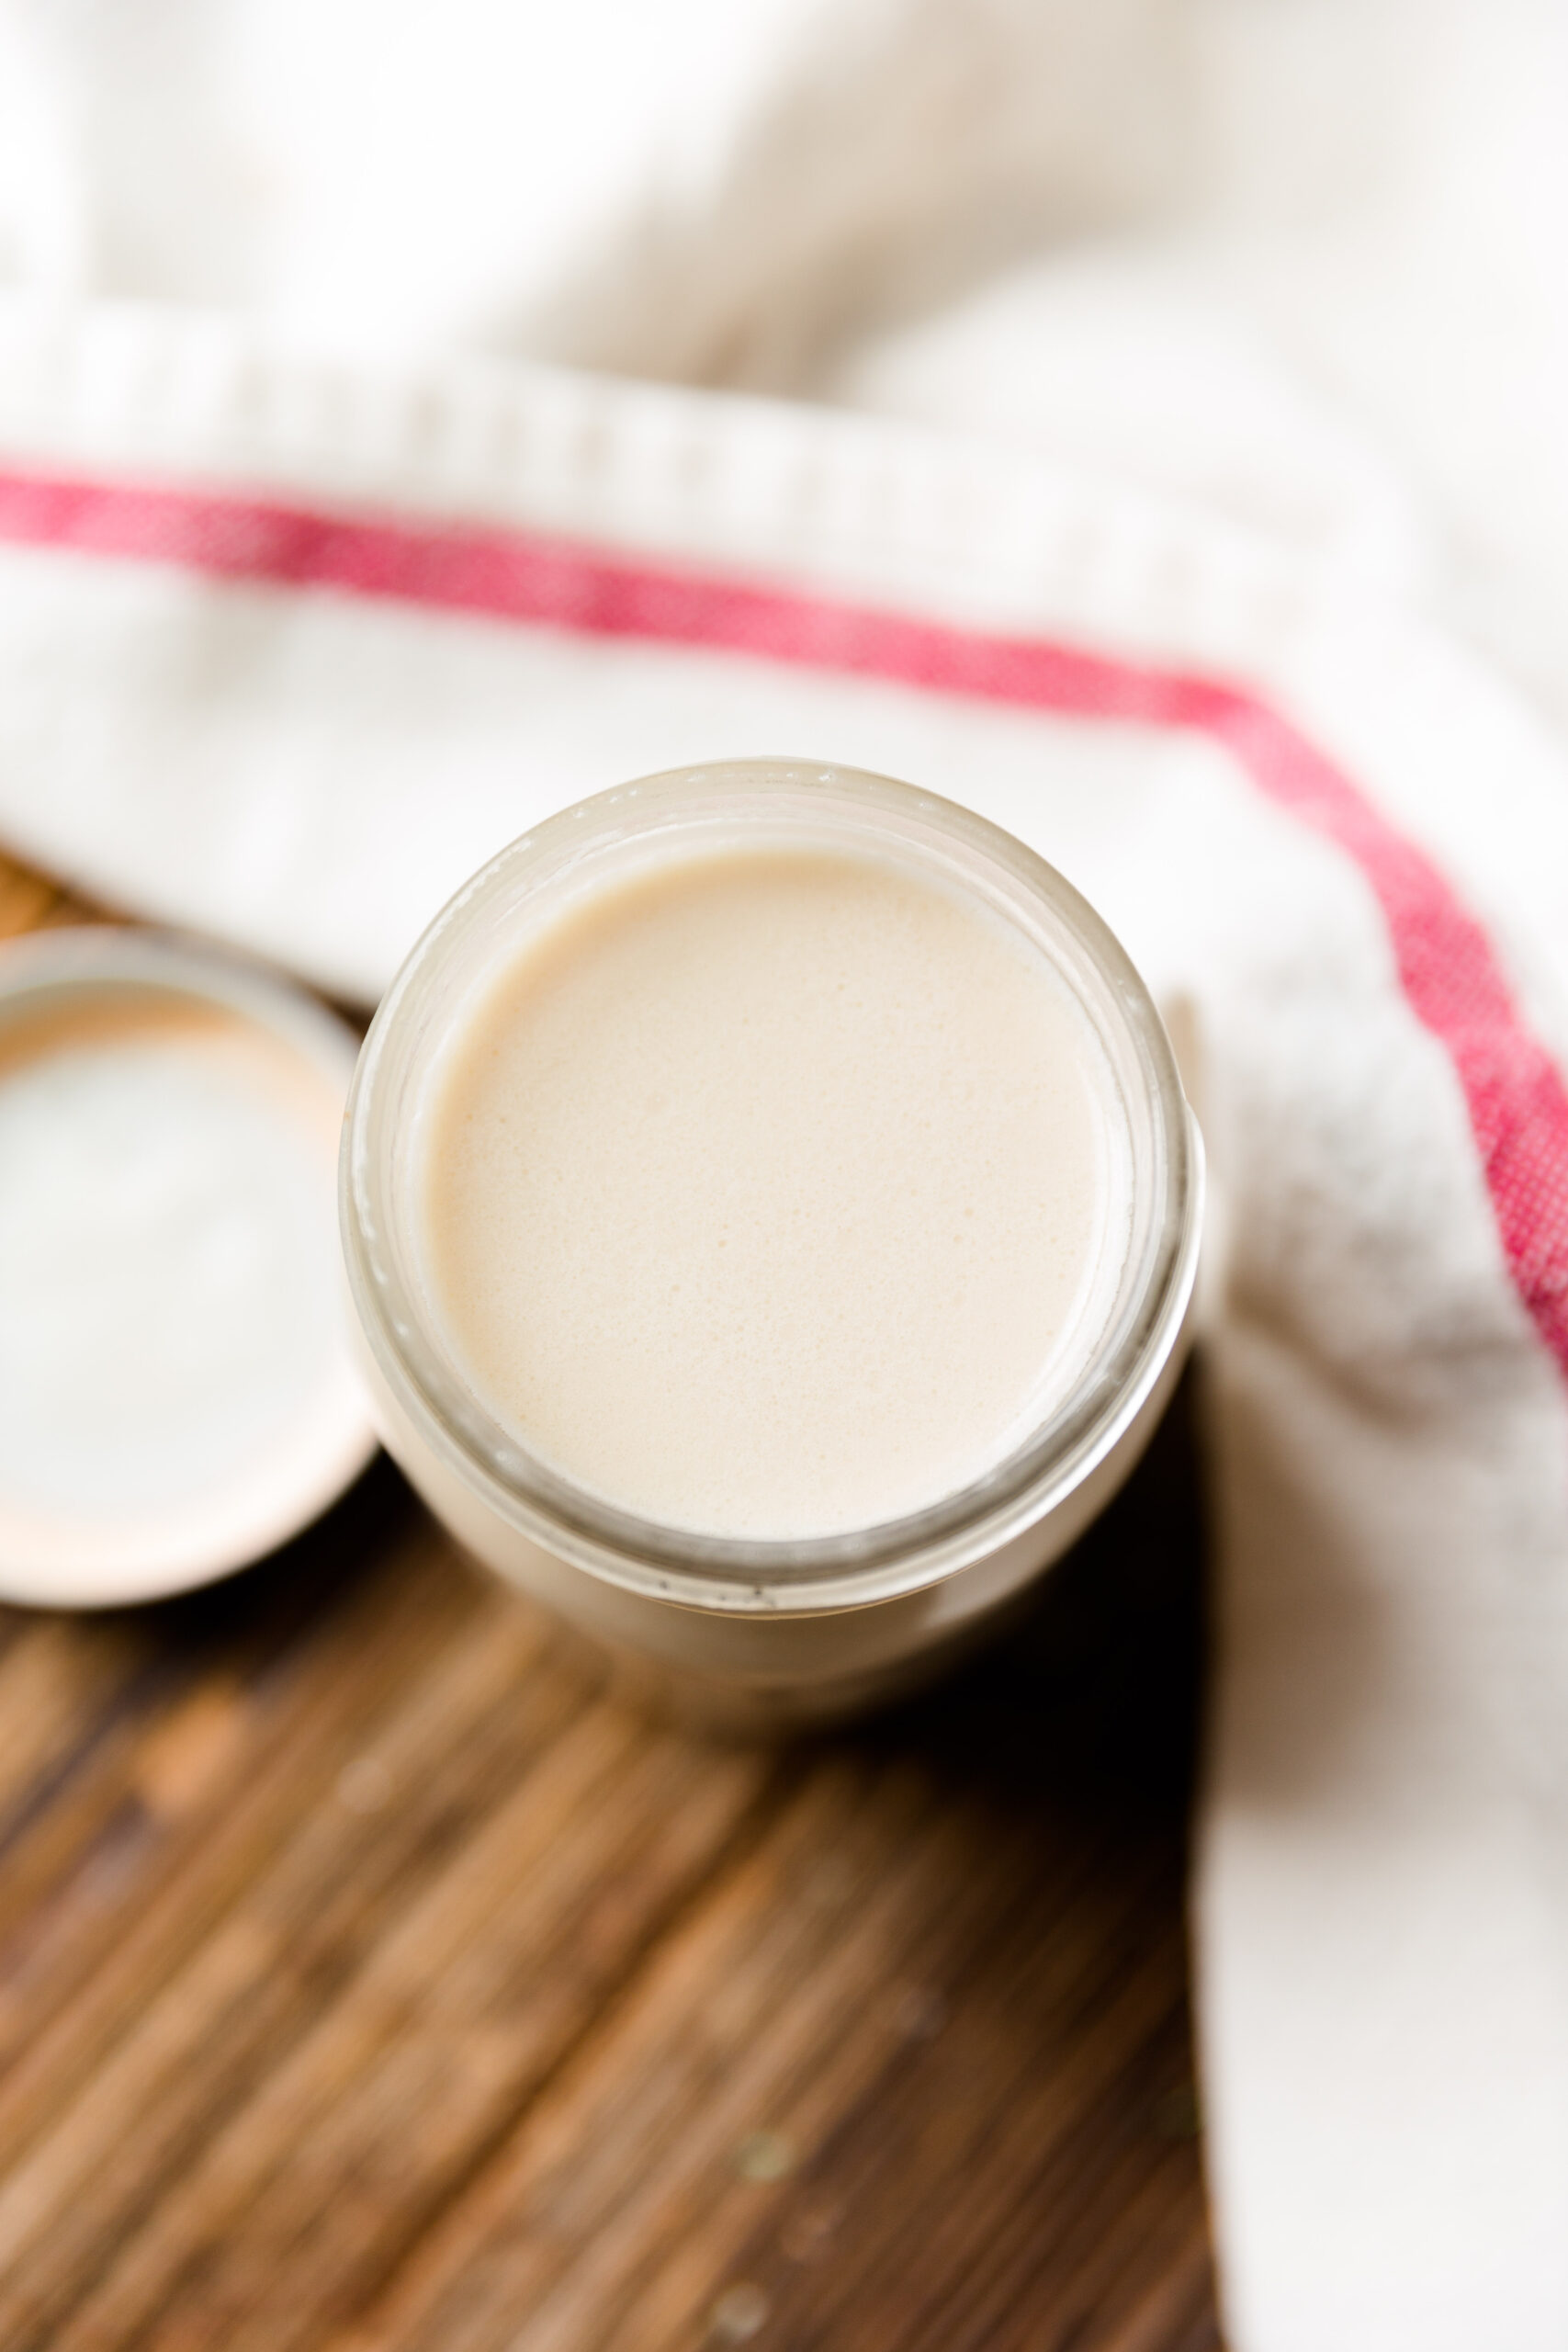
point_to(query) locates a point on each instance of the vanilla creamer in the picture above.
(772, 1192)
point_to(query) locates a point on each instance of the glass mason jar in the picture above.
(737, 1631)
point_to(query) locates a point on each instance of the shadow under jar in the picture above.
(772, 1214)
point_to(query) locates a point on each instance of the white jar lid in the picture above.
(176, 1392)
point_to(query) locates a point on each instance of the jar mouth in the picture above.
(759, 802)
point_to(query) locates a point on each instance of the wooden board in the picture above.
(369, 1982)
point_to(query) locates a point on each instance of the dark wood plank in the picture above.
(916, 2073)
(369, 1982)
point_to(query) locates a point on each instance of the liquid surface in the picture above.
(771, 1194)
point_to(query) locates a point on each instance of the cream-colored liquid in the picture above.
(773, 1193)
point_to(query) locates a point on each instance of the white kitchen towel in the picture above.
(310, 595)
(285, 649)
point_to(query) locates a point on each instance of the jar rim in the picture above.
(696, 1568)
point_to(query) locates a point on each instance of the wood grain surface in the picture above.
(371, 1982)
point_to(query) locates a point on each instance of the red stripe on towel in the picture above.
(1449, 972)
